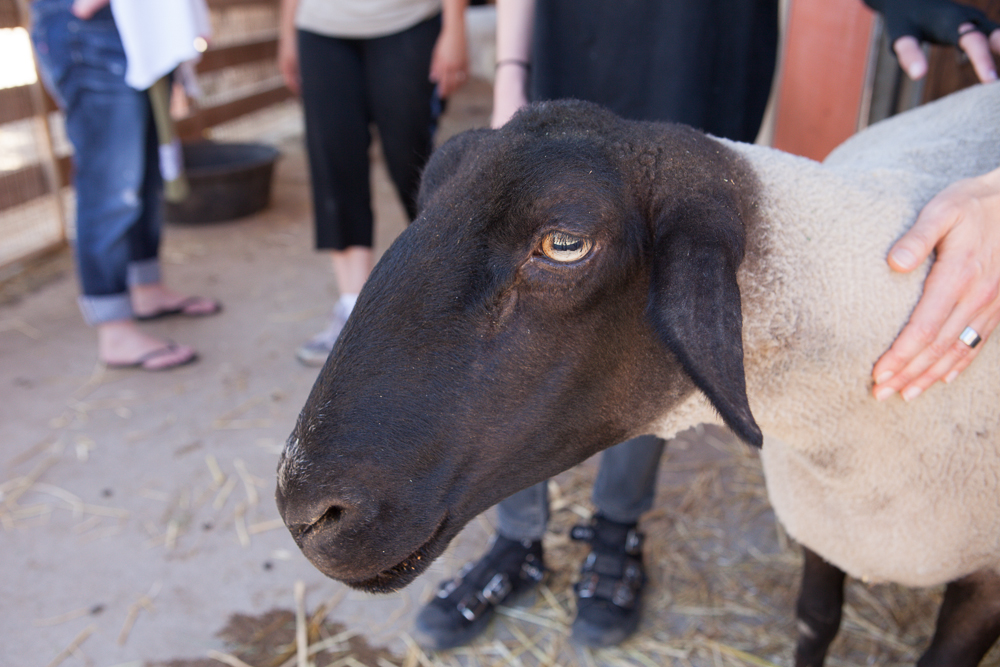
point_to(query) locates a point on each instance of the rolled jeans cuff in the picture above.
(100, 309)
(144, 272)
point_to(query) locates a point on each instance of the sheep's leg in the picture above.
(968, 623)
(821, 599)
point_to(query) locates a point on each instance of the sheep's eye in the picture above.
(563, 247)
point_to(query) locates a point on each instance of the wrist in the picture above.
(514, 63)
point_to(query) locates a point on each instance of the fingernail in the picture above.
(884, 377)
(884, 393)
(950, 377)
(904, 257)
(911, 393)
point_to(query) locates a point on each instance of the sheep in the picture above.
(574, 280)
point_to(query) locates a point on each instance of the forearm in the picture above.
(515, 27)
(288, 49)
(453, 15)
(286, 20)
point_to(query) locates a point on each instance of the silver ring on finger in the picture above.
(970, 337)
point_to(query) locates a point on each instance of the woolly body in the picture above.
(890, 491)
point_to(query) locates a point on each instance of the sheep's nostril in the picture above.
(328, 519)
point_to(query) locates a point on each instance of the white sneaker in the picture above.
(315, 350)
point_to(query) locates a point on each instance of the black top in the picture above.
(706, 63)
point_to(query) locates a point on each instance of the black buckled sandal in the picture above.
(464, 605)
(611, 582)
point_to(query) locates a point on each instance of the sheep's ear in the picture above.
(695, 305)
(444, 162)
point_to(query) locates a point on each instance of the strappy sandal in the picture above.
(464, 605)
(611, 582)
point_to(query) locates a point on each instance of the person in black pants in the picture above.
(358, 62)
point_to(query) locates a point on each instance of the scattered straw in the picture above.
(322, 645)
(12, 490)
(742, 655)
(227, 659)
(414, 654)
(32, 452)
(170, 539)
(853, 618)
(218, 478)
(248, 482)
(86, 525)
(531, 646)
(223, 495)
(62, 618)
(301, 631)
(240, 520)
(265, 526)
(144, 602)
(230, 420)
(153, 494)
(522, 615)
(73, 646)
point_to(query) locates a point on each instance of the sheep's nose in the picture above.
(327, 523)
(309, 515)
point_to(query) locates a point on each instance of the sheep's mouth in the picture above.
(403, 573)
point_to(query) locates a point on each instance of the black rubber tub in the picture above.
(228, 181)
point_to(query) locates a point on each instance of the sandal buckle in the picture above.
(472, 607)
(633, 542)
(531, 572)
(448, 587)
(587, 586)
(624, 596)
(497, 589)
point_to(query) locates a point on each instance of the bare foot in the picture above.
(122, 344)
(150, 301)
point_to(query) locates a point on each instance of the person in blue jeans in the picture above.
(118, 185)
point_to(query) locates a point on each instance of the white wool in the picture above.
(888, 491)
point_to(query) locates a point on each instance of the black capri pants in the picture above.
(347, 84)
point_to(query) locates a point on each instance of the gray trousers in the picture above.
(623, 491)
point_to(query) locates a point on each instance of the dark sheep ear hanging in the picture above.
(694, 304)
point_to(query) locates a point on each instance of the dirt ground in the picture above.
(137, 522)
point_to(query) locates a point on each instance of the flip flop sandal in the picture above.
(143, 361)
(182, 309)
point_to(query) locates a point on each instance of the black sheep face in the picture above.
(517, 327)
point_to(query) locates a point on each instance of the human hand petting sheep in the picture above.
(962, 223)
(962, 290)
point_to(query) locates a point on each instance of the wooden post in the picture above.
(824, 72)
